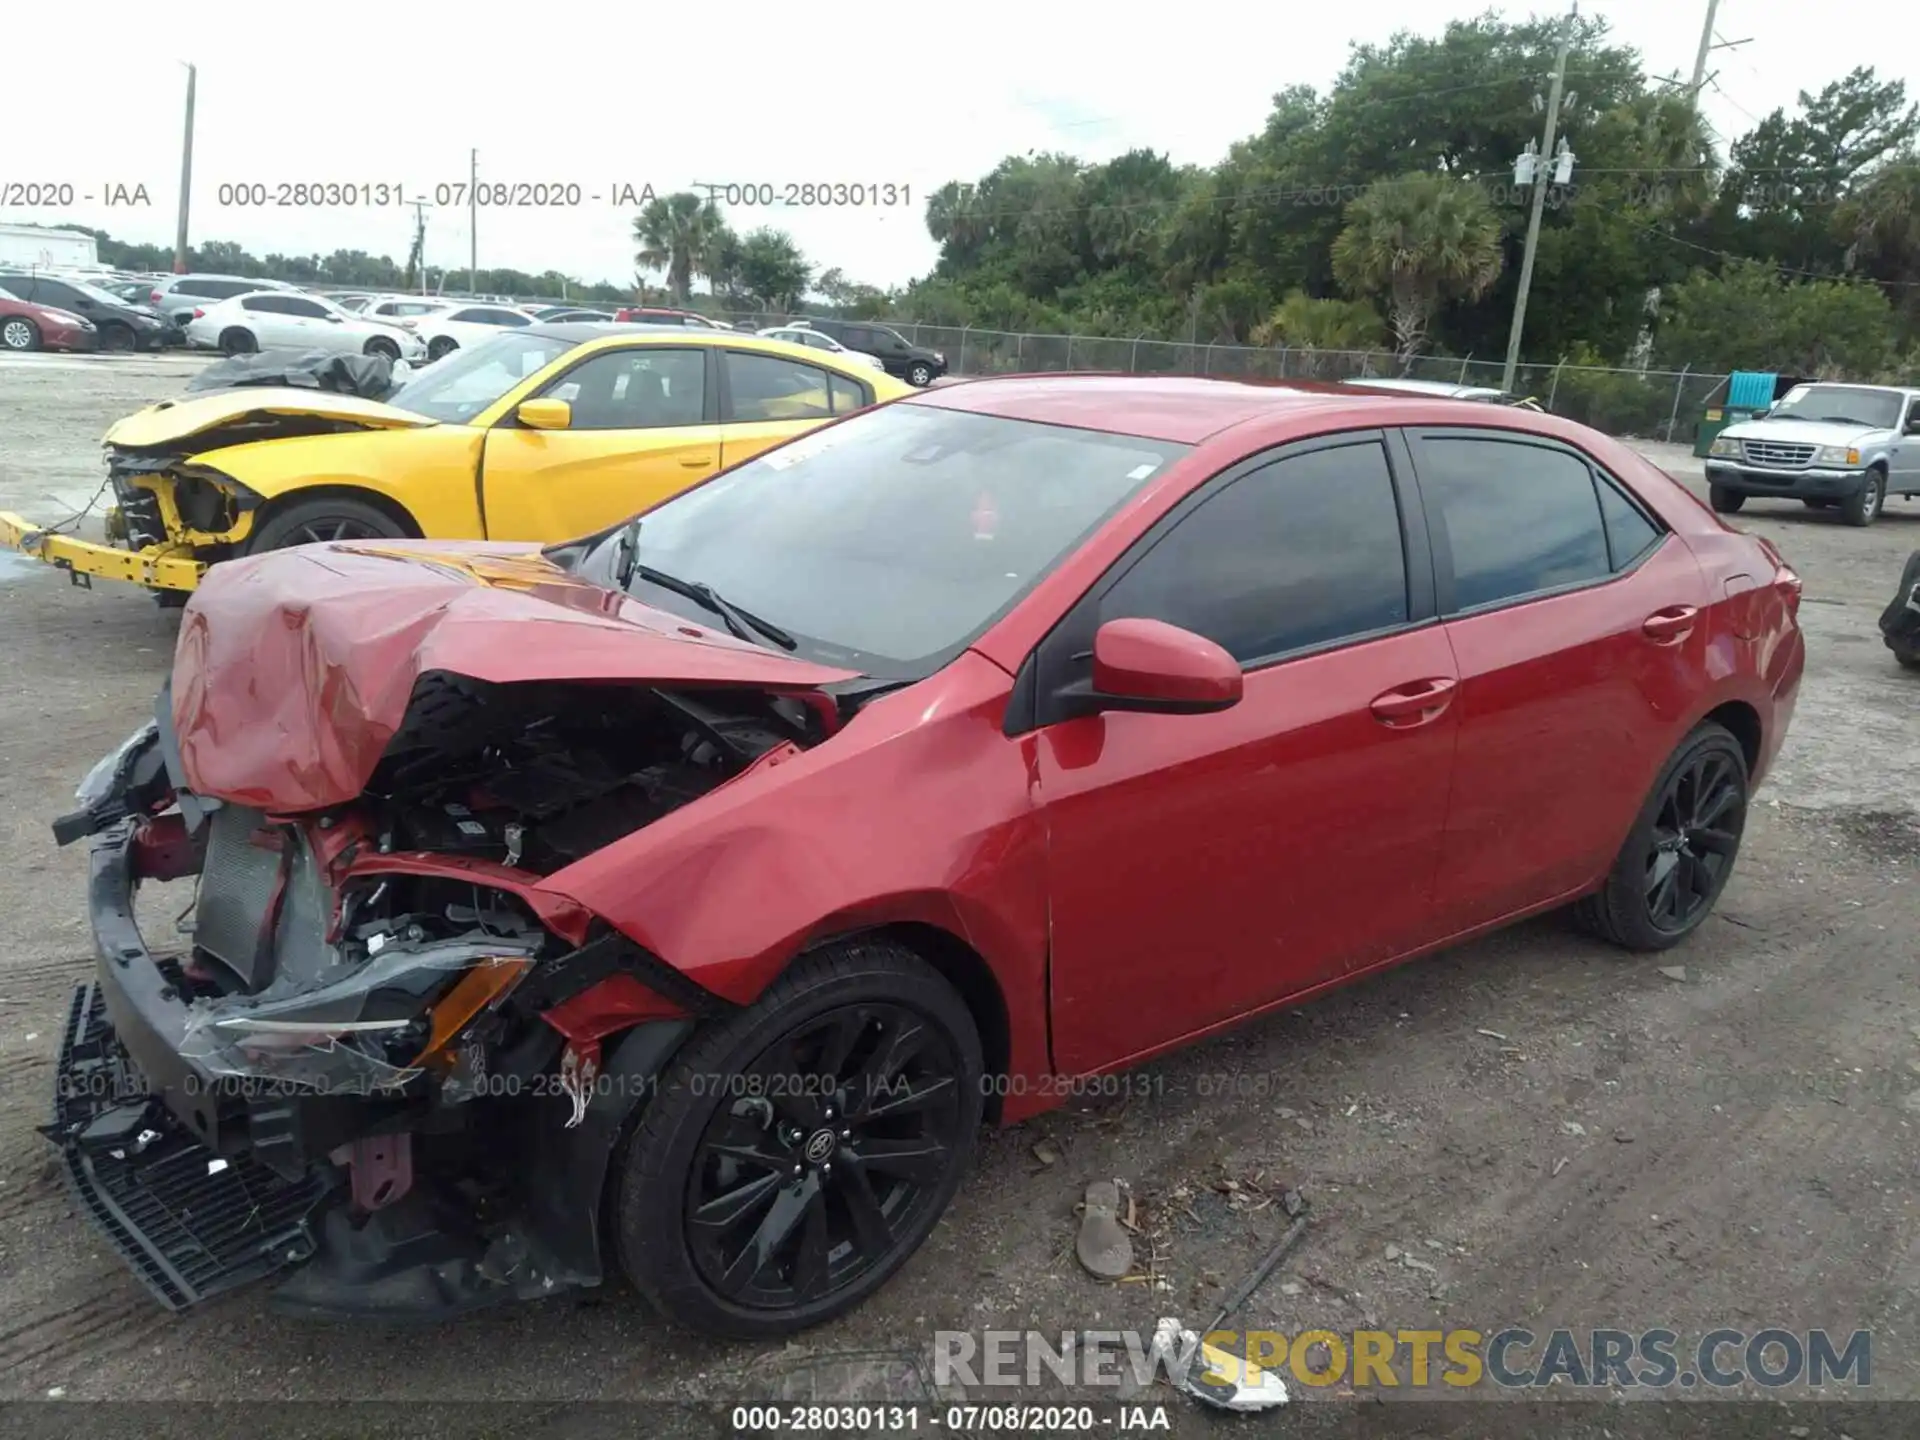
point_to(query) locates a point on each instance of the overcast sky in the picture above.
(602, 94)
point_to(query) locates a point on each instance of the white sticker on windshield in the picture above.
(1140, 472)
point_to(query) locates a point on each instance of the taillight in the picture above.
(1791, 586)
(154, 298)
(199, 314)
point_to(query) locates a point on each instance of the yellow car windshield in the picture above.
(459, 387)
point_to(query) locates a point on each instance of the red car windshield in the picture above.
(888, 543)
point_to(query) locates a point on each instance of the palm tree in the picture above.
(1881, 220)
(1317, 326)
(1417, 241)
(676, 234)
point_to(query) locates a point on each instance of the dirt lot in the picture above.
(1567, 1137)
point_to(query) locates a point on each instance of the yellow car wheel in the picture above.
(321, 519)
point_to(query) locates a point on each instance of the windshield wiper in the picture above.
(741, 623)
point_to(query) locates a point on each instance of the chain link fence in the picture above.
(1648, 404)
(1645, 404)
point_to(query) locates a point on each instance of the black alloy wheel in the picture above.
(322, 520)
(796, 1153)
(818, 1169)
(1696, 834)
(1681, 850)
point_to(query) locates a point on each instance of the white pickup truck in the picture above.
(1827, 446)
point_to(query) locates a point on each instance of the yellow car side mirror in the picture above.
(545, 414)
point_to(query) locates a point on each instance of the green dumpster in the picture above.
(1748, 393)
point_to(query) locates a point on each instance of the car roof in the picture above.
(1183, 410)
(1424, 387)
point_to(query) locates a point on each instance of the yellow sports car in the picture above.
(542, 433)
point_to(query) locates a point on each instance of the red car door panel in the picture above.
(1568, 701)
(1201, 866)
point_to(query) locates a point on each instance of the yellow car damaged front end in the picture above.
(540, 435)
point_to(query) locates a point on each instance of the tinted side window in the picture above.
(307, 308)
(272, 304)
(52, 292)
(1630, 534)
(847, 394)
(200, 287)
(766, 387)
(1515, 518)
(1301, 552)
(635, 390)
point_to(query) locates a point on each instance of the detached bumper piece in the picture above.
(157, 567)
(191, 1224)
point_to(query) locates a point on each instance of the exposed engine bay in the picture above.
(325, 949)
(541, 775)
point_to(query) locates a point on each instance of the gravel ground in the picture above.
(1565, 1136)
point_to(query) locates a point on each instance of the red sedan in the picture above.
(681, 899)
(26, 326)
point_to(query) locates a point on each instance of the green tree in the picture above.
(1750, 316)
(1791, 174)
(1417, 241)
(676, 234)
(1302, 322)
(1880, 222)
(772, 271)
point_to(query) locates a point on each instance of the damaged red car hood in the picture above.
(294, 670)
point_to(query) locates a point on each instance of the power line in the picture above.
(1782, 269)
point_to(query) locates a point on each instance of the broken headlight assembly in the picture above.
(389, 1009)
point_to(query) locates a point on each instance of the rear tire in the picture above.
(238, 341)
(1863, 506)
(734, 1244)
(17, 332)
(383, 348)
(1908, 659)
(1666, 852)
(1724, 501)
(323, 520)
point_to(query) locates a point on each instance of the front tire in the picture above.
(441, 347)
(1681, 849)
(799, 1151)
(116, 337)
(19, 333)
(322, 520)
(1863, 506)
(920, 374)
(1725, 501)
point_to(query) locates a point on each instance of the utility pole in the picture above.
(1540, 177)
(186, 180)
(1706, 48)
(417, 261)
(473, 223)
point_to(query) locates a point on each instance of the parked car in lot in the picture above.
(26, 326)
(562, 315)
(814, 340)
(661, 315)
(1442, 389)
(444, 331)
(678, 899)
(538, 433)
(1900, 621)
(120, 326)
(1829, 446)
(178, 296)
(277, 319)
(406, 307)
(915, 364)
